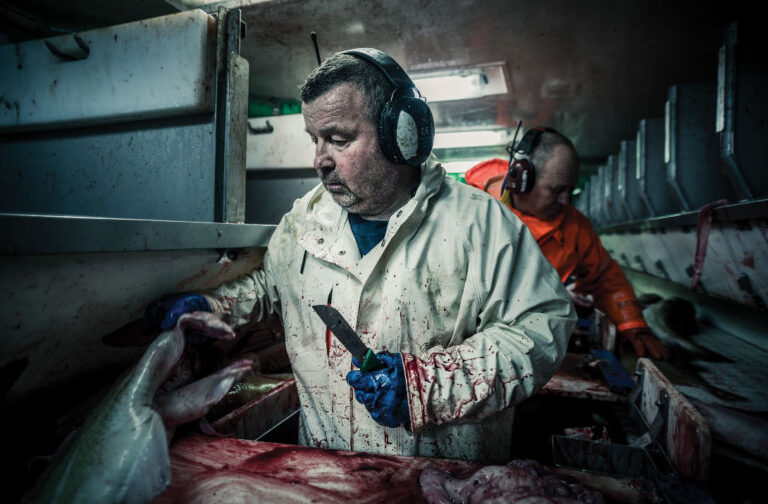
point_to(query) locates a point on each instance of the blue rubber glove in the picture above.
(189, 303)
(382, 392)
(165, 311)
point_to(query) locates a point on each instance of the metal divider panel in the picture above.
(742, 110)
(693, 164)
(654, 189)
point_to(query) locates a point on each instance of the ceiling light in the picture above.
(472, 138)
(355, 28)
(452, 87)
(461, 84)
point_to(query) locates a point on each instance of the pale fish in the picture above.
(120, 453)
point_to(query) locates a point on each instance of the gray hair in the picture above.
(545, 147)
(347, 69)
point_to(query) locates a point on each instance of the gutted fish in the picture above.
(519, 481)
(120, 453)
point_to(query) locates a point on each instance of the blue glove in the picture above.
(382, 392)
(165, 311)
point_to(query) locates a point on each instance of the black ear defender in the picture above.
(406, 127)
(521, 174)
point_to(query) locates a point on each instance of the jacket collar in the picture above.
(543, 230)
(327, 234)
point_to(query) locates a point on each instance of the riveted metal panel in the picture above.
(693, 168)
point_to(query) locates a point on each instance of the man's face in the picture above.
(348, 159)
(553, 186)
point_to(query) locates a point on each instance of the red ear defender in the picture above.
(521, 174)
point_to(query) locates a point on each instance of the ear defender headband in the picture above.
(406, 128)
(521, 174)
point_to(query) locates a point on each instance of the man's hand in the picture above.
(643, 340)
(579, 299)
(382, 392)
(164, 312)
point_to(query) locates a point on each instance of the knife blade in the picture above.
(348, 337)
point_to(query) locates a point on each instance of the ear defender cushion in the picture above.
(406, 130)
(527, 177)
(520, 177)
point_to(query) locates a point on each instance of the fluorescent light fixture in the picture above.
(461, 84)
(472, 138)
(355, 28)
(452, 87)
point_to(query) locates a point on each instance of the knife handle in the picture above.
(371, 362)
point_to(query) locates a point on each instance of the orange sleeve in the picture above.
(598, 274)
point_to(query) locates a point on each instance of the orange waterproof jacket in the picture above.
(572, 246)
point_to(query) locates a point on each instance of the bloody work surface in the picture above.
(209, 470)
(574, 379)
(223, 470)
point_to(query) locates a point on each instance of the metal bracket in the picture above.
(227, 255)
(261, 130)
(69, 52)
(660, 421)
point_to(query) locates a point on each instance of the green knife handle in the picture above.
(370, 363)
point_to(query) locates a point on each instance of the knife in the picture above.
(349, 338)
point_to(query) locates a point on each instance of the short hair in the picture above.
(347, 69)
(545, 147)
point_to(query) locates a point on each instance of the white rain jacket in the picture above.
(458, 285)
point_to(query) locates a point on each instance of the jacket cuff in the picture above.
(415, 387)
(216, 307)
(631, 324)
(622, 308)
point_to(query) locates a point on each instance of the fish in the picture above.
(673, 321)
(120, 453)
(519, 481)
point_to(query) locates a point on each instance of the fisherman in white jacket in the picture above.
(449, 286)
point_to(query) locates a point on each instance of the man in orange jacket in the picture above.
(536, 185)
